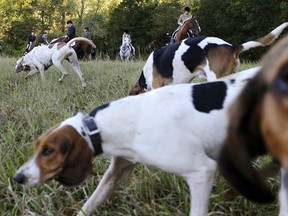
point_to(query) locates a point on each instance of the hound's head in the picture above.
(21, 66)
(61, 154)
(136, 89)
(259, 125)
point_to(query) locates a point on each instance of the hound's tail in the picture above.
(70, 43)
(263, 41)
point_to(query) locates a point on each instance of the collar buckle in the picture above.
(91, 126)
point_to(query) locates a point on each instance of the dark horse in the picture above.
(160, 41)
(39, 39)
(83, 49)
(190, 28)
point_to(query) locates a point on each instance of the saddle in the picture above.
(189, 34)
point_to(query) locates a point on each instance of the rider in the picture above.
(71, 31)
(44, 37)
(186, 15)
(127, 35)
(86, 33)
(31, 39)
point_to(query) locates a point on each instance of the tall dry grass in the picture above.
(29, 107)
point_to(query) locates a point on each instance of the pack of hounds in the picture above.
(222, 124)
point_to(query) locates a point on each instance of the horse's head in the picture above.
(193, 25)
(126, 41)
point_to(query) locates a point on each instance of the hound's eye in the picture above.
(47, 151)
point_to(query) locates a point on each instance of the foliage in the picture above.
(145, 20)
(238, 21)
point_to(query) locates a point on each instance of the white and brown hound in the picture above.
(209, 57)
(135, 129)
(42, 57)
(259, 125)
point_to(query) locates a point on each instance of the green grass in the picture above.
(29, 107)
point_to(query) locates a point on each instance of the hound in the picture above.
(42, 57)
(208, 57)
(135, 130)
(258, 125)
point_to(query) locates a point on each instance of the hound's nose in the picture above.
(19, 178)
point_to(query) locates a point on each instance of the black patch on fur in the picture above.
(232, 81)
(209, 96)
(211, 46)
(142, 81)
(194, 55)
(93, 112)
(192, 41)
(163, 57)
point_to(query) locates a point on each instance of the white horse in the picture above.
(126, 50)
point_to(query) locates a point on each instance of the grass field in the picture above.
(29, 107)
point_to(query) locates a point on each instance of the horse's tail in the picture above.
(69, 43)
(263, 41)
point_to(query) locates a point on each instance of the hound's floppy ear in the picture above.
(78, 159)
(244, 142)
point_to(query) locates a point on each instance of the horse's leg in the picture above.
(132, 49)
(121, 56)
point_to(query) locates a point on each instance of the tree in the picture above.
(146, 20)
(238, 21)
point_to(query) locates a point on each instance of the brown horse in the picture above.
(39, 39)
(190, 28)
(84, 49)
(160, 41)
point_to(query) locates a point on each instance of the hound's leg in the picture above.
(76, 67)
(200, 184)
(283, 194)
(40, 67)
(209, 73)
(32, 72)
(58, 64)
(118, 171)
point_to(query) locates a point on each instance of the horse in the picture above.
(83, 49)
(126, 50)
(39, 39)
(190, 28)
(162, 40)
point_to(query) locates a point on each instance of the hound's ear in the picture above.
(78, 159)
(244, 142)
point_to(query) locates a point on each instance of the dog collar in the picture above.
(94, 134)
